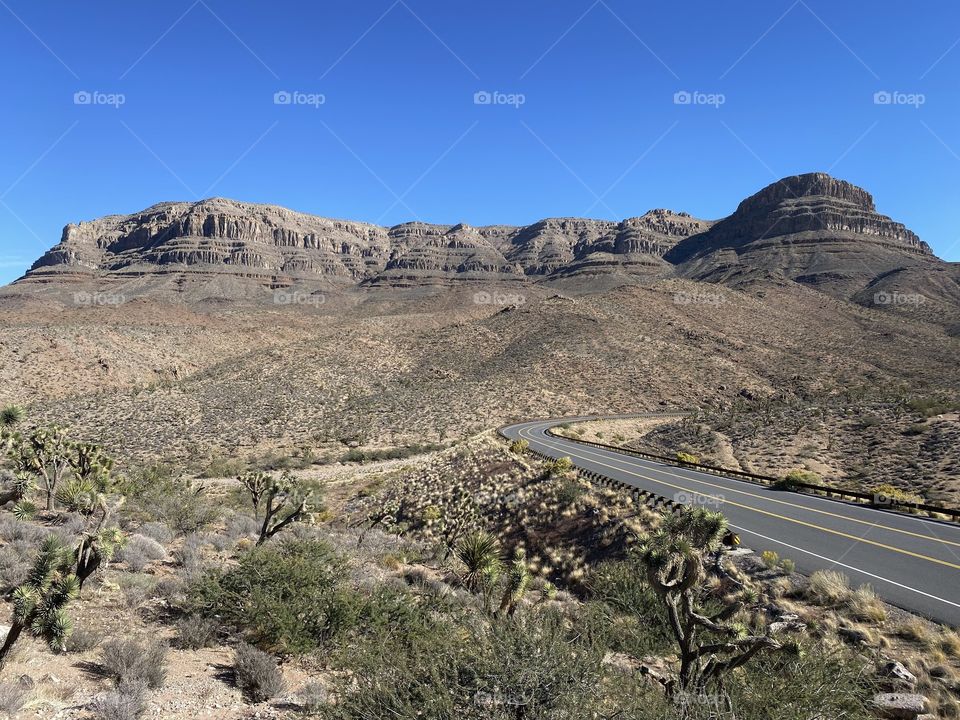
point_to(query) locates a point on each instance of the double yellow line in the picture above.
(885, 546)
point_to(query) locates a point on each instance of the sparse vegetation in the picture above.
(256, 673)
(130, 662)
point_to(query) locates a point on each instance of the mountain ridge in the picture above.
(809, 228)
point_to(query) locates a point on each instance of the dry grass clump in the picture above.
(828, 587)
(866, 606)
(916, 630)
(950, 644)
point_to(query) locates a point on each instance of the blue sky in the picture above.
(382, 125)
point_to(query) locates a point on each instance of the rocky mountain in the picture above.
(274, 246)
(812, 229)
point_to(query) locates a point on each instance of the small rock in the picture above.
(899, 706)
(856, 637)
(896, 671)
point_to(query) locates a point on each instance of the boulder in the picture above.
(899, 706)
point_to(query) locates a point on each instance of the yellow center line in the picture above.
(804, 507)
(779, 517)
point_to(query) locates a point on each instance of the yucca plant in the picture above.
(710, 646)
(481, 557)
(39, 605)
(10, 416)
(94, 549)
(45, 453)
(285, 500)
(518, 577)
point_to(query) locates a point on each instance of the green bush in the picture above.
(770, 559)
(448, 666)
(519, 447)
(560, 466)
(687, 458)
(286, 598)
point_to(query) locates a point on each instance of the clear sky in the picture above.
(109, 107)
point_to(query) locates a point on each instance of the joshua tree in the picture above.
(710, 646)
(40, 603)
(285, 500)
(517, 579)
(95, 548)
(46, 453)
(480, 554)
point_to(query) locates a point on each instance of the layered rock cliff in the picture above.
(810, 228)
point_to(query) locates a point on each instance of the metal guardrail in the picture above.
(871, 499)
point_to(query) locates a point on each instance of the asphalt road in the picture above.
(911, 562)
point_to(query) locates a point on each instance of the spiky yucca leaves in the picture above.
(709, 645)
(481, 557)
(91, 466)
(10, 416)
(46, 454)
(518, 577)
(94, 549)
(39, 605)
(257, 485)
(286, 500)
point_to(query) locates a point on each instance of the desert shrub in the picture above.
(886, 492)
(83, 639)
(129, 661)
(620, 585)
(570, 491)
(398, 453)
(916, 630)
(560, 466)
(157, 531)
(770, 559)
(950, 643)
(178, 503)
(223, 467)
(915, 429)
(930, 406)
(828, 587)
(14, 567)
(13, 696)
(287, 597)
(313, 698)
(687, 458)
(196, 631)
(793, 478)
(519, 447)
(140, 551)
(127, 702)
(811, 681)
(788, 566)
(453, 665)
(256, 673)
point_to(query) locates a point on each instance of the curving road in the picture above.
(911, 562)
